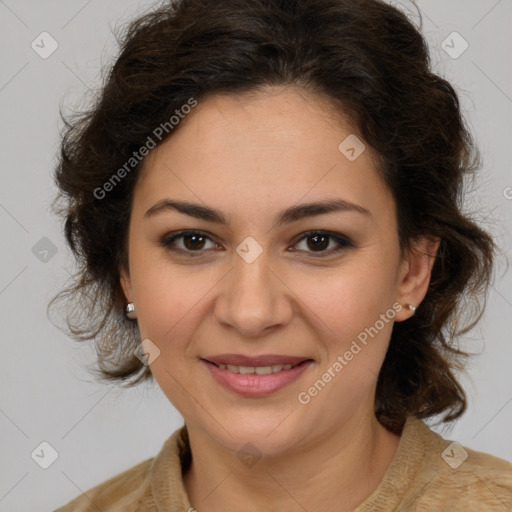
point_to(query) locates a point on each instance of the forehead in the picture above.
(275, 146)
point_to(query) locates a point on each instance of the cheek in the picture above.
(350, 296)
(171, 303)
(354, 318)
(167, 301)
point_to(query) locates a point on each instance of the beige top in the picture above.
(427, 474)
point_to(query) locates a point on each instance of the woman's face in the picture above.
(256, 291)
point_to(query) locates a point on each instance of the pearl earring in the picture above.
(411, 307)
(129, 311)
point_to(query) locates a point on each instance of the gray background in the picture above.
(46, 394)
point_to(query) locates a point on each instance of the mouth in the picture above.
(259, 370)
(256, 376)
(263, 364)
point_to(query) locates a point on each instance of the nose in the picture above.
(254, 299)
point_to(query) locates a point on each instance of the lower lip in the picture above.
(253, 384)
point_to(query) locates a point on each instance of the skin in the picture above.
(251, 156)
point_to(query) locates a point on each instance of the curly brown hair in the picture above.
(373, 64)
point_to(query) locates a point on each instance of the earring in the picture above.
(129, 311)
(411, 307)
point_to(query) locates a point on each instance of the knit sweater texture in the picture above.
(427, 473)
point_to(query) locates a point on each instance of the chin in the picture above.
(263, 432)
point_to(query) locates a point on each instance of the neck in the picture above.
(337, 472)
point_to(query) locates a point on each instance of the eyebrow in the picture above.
(286, 216)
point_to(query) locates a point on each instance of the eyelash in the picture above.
(342, 241)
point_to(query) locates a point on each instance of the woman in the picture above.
(265, 201)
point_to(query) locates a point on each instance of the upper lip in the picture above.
(260, 360)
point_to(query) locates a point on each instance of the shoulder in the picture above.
(458, 478)
(123, 492)
(480, 479)
(148, 486)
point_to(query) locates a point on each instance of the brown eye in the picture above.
(192, 241)
(319, 241)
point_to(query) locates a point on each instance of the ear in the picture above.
(126, 283)
(415, 272)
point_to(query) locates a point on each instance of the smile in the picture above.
(256, 377)
(260, 370)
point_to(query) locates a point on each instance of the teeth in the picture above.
(263, 370)
(259, 370)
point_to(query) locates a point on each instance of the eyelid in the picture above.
(343, 241)
(167, 241)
